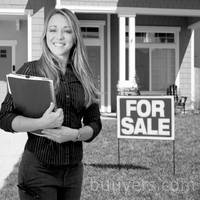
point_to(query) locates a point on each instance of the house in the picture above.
(155, 42)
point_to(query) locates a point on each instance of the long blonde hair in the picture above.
(51, 65)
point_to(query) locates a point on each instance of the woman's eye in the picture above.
(68, 31)
(52, 30)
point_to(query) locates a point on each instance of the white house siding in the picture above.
(8, 32)
(197, 68)
(185, 75)
(90, 2)
(13, 3)
(37, 29)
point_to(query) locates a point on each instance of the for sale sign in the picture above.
(145, 117)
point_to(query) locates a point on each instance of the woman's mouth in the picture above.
(59, 44)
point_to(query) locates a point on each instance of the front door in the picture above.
(142, 68)
(155, 68)
(5, 61)
(94, 61)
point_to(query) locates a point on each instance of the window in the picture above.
(153, 37)
(162, 68)
(164, 37)
(3, 53)
(155, 53)
(155, 68)
(142, 68)
(90, 32)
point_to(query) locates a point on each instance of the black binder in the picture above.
(31, 95)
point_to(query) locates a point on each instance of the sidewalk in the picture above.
(11, 148)
(11, 145)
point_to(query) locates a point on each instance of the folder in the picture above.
(31, 95)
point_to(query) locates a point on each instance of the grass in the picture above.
(146, 166)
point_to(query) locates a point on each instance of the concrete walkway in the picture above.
(11, 148)
(11, 145)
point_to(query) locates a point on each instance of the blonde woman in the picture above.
(51, 166)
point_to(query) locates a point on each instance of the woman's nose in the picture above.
(60, 35)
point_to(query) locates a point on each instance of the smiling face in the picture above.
(59, 37)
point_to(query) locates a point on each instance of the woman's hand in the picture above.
(51, 119)
(61, 134)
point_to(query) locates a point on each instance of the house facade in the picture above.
(151, 43)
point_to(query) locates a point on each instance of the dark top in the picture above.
(70, 98)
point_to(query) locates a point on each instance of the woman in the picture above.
(51, 166)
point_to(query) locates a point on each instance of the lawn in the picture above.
(146, 170)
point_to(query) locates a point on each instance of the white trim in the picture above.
(177, 71)
(15, 11)
(103, 109)
(58, 4)
(12, 44)
(158, 11)
(106, 108)
(91, 23)
(122, 44)
(89, 8)
(150, 69)
(108, 63)
(160, 29)
(158, 46)
(192, 70)
(128, 11)
(102, 74)
(29, 31)
(131, 64)
(8, 42)
(153, 93)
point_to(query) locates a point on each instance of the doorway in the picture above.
(93, 36)
(155, 68)
(5, 61)
(94, 61)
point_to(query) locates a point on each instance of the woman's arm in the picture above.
(92, 127)
(49, 119)
(11, 121)
(65, 134)
(7, 114)
(92, 119)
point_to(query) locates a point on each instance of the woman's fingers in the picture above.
(50, 108)
(60, 115)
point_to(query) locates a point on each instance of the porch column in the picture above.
(131, 43)
(122, 49)
(192, 68)
(29, 21)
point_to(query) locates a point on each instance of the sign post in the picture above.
(145, 117)
(174, 165)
